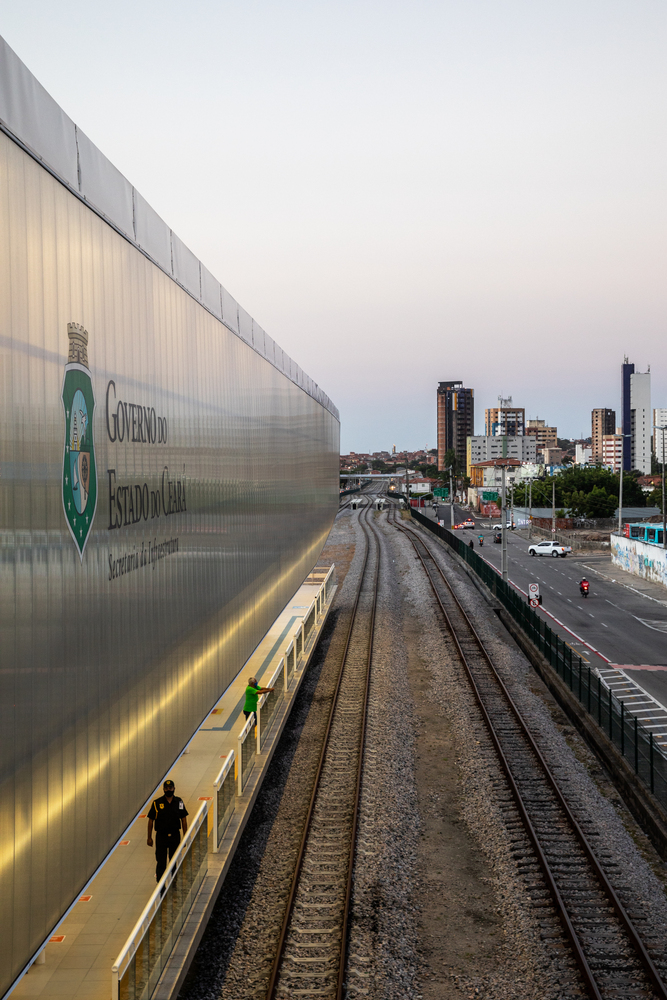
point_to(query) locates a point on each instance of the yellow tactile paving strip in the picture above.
(79, 957)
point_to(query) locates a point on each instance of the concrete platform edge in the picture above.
(192, 932)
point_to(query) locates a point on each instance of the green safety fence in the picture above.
(632, 739)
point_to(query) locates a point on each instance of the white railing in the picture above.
(136, 971)
(223, 800)
(245, 757)
(267, 705)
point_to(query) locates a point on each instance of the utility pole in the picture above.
(620, 488)
(503, 529)
(664, 518)
(553, 506)
(451, 500)
(664, 513)
(530, 509)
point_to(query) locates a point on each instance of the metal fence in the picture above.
(632, 739)
(223, 800)
(136, 971)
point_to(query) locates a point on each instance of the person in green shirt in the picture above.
(252, 693)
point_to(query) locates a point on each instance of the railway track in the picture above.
(312, 949)
(613, 961)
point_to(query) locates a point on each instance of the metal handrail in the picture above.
(143, 923)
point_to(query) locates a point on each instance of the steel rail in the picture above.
(635, 940)
(278, 959)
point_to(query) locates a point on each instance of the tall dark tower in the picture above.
(626, 414)
(456, 420)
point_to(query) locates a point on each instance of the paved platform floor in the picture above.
(79, 957)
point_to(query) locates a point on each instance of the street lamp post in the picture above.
(662, 504)
(620, 488)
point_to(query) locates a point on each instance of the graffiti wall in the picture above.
(640, 558)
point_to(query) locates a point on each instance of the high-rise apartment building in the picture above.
(547, 437)
(612, 448)
(660, 437)
(505, 420)
(636, 418)
(641, 422)
(603, 421)
(456, 420)
(627, 370)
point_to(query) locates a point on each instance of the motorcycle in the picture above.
(481, 541)
(583, 589)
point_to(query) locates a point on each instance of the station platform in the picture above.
(77, 961)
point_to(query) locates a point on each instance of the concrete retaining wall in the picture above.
(639, 558)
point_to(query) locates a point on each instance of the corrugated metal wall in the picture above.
(110, 661)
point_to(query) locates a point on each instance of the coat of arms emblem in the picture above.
(79, 471)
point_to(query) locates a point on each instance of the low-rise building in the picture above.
(419, 485)
(552, 456)
(489, 475)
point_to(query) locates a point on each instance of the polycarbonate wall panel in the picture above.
(104, 186)
(217, 484)
(31, 114)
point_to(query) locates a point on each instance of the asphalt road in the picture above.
(621, 626)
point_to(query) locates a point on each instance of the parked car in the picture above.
(549, 548)
(499, 527)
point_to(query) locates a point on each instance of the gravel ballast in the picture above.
(443, 901)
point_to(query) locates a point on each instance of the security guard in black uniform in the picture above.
(168, 814)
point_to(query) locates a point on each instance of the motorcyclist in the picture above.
(584, 587)
(481, 539)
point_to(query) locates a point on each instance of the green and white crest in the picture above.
(79, 470)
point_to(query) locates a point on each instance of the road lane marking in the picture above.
(602, 623)
(652, 623)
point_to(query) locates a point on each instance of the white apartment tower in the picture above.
(641, 421)
(660, 437)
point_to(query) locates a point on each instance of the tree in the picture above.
(451, 461)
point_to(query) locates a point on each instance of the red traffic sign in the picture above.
(534, 603)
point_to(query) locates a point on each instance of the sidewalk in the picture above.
(79, 957)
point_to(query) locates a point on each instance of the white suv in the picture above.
(549, 548)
